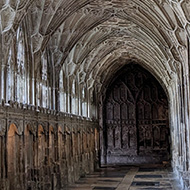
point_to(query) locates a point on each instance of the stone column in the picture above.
(3, 81)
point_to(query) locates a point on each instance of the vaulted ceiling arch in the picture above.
(81, 30)
(162, 37)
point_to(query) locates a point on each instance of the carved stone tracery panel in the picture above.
(136, 118)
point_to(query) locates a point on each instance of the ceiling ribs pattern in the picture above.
(90, 36)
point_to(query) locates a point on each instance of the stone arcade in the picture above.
(62, 109)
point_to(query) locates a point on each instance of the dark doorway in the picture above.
(136, 119)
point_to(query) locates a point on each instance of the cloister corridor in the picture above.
(94, 94)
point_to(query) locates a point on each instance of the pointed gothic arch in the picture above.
(136, 126)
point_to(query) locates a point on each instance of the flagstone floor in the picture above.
(154, 177)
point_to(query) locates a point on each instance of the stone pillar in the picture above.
(3, 81)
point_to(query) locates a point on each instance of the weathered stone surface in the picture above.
(45, 151)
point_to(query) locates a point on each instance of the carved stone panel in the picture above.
(136, 118)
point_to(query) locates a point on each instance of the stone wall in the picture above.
(44, 150)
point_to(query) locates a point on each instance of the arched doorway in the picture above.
(136, 119)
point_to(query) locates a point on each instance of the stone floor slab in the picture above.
(128, 178)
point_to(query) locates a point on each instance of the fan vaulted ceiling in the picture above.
(94, 38)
